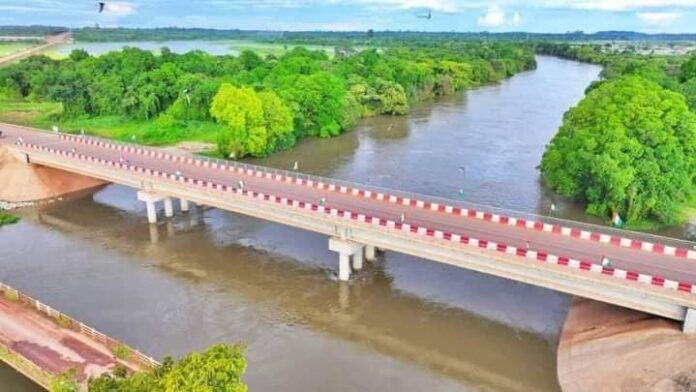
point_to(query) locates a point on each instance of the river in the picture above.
(401, 324)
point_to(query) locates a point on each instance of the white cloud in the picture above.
(119, 8)
(617, 5)
(516, 19)
(658, 18)
(496, 17)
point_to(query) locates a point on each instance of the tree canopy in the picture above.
(218, 369)
(628, 147)
(253, 95)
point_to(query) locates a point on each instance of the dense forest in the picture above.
(256, 105)
(629, 147)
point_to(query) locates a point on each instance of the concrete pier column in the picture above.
(690, 321)
(150, 199)
(184, 205)
(168, 207)
(151, 212)
(370, 253)
(343, 266)
(345, 250)
(358, 259)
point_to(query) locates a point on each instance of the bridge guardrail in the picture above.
(606, 234)
(68, 322)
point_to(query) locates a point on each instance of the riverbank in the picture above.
(608, 348)
(43, 343)
(23, 185)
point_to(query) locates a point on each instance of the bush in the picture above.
(7, 219)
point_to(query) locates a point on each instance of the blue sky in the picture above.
(672, 16)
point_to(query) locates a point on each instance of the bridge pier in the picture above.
(168, 207)
(345, 250)
(689, 321)
(370, 252)
(150, 199)
(184, 205)
(358, 258)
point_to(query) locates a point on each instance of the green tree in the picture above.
(279, 122)
(628, 147)
(688, 69)
(258, 123)
(218, 369)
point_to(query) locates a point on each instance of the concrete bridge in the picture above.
(652, 276)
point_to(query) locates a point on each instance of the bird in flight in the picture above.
(101, 5)
(429, 15)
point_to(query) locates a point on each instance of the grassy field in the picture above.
(45, 115)
(12, 47)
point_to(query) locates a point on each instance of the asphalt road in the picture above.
(636, 260)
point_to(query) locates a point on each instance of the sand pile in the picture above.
(21, 183)
(608, 348)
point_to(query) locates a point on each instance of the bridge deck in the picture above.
(656, 266)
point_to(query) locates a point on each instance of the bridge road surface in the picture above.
(636, 260)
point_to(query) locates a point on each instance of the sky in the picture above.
(556, 16)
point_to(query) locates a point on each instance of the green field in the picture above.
(45, 114)
(7, 48)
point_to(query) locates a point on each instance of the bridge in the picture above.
(653, 275)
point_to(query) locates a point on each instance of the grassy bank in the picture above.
(7, 219)
(44, 115)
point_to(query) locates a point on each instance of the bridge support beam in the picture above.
(184, 205)
(690, 321)
(150, 199)
(168, 207)
(370, 252)
(345, 250)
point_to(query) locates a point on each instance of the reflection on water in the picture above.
(13, 381)
(402, 324)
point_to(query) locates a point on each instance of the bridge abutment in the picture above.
(345, 250)
(689, 325)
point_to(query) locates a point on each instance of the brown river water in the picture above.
(402, 324)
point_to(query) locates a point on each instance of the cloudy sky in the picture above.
(447, 15)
